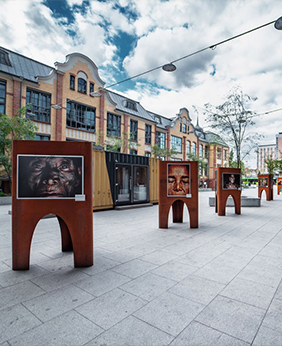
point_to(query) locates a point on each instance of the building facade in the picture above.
(273, 151)
(265, 152)
(68, 102)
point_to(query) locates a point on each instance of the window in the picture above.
(130, 105)
(188, 147)
(148, 132)
(133, 152)
(113, 125)
(82, 85)
(80, 116)
(4, 58)
(91, 88)
(184, 127)
(176, 144)
(72, 82)
(133, 129)
(147, 154)
(206, 152)
(160, 139)
(42, 137)
(39, 105)
(194, 150)
(201, 150)
(2, 96)
(224, 155)
(218, 153)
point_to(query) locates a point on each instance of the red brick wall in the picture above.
(59, 112)
(17, 97)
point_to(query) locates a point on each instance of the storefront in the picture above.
(129, 178)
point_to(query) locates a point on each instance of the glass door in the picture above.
(140, 183)
(123, 184)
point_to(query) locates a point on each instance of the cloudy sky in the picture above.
(128, 37)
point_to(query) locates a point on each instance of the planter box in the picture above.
(5, 200)
(245, 202)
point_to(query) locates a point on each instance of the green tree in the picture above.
(116, 144)
(201, 162)
(16, 127)
(271, 164)
(234, 120)
(162, 152)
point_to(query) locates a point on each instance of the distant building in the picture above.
(278, 149)
(265, 151)
(69, 102)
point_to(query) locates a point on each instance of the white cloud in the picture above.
(164, 31)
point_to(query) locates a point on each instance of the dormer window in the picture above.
(4, 58)
(130, 105)
(158, 119)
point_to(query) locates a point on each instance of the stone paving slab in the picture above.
(217, 285)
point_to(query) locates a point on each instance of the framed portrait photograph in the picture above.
(50, 176)
(263, 182)
(178, 180)
(231, 181)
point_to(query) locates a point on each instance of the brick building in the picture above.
(69, 102)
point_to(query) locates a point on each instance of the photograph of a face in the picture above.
(49, 176)
(263, 182)
(178, 180)
(231, 181)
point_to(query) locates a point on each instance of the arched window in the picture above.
(184, 125)
(82, 82)
(82, 85)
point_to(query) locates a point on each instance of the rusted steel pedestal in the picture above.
(177, 190)
(74, 212)
(227, 184)
(265, 183)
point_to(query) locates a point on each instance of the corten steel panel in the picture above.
(75, 217)
(177, 202)
(221, 193)
(268, 189)
(279, 185)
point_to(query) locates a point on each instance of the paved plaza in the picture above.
(217, 285)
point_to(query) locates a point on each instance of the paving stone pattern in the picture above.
(216, 285)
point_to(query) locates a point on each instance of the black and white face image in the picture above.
(49, 176)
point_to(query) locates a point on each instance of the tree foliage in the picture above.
(201, 162)
(271, 164)
(234, 121)
(16, 127)
(162, 152)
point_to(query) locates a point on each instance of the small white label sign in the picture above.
(80, 198)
